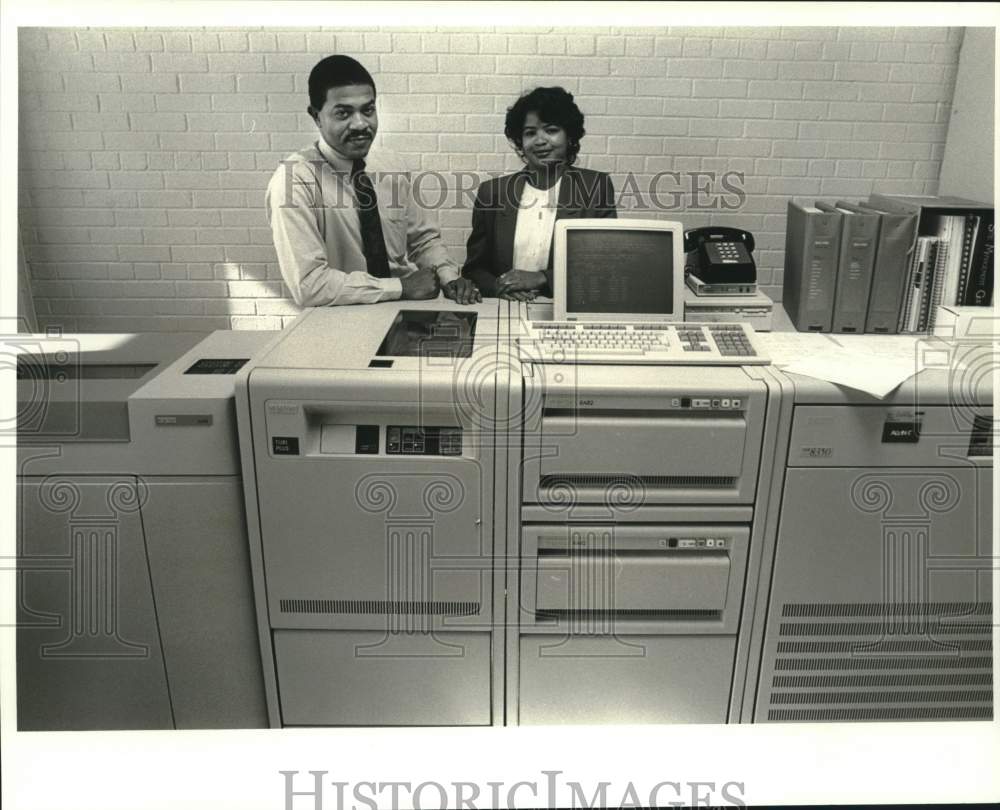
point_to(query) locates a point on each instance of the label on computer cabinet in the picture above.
(285, 445)
(183, 419)
(901, 432)
(816, 452)
(283, 408)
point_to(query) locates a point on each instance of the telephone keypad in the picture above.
(726, 252)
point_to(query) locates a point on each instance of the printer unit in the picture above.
(369, 463)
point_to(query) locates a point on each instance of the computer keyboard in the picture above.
(551, 342)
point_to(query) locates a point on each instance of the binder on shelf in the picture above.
(896, 238)
(858, 240)
(975, 285)
(812, 252)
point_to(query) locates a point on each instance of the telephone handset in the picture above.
(720, 255)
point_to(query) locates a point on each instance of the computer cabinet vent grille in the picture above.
(631, 613)
(885, 713)
(942, 696)
(370, 607)
(922, 646)
(912, 662)
(638, 481)
(875, 660)
(910, 627)
(947, 609)
(865, 681)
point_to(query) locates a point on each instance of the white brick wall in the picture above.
(144, 154)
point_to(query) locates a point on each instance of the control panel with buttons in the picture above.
(409, 440)
(699, 542)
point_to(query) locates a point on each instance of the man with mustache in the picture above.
(346, 228)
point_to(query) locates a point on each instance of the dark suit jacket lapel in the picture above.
(569, 201)
(510, 196)
(570, 195)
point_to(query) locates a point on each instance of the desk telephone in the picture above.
(720, 255)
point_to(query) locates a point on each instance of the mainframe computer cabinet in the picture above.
(880, 598)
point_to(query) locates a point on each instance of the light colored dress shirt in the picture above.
(313, 216)
(536, 219)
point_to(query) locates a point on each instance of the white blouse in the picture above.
(536, 219)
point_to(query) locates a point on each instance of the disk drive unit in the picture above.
(636, 511)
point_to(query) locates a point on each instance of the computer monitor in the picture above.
(618, 270)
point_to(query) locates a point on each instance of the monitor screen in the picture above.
(620, 270)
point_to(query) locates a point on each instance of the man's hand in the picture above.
(463, 291)
(520, 281)
(420, 284)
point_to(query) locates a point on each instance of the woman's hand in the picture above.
(520, 281)
(517, 295)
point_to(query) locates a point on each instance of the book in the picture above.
(911, 304)
(979, 290)
(858, 242)
(969, 232)
(922, 283)
(927, 284)
(929, 281)
(937, 289)
(897, 234)
(951, 229)
(812, 253)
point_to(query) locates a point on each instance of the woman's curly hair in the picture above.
(553, 105)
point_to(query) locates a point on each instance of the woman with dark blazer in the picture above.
(509, 253)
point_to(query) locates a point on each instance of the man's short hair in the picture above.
(336, 71)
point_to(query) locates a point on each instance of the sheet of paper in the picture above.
(870, 373)
(876, 364)
(923, 351)
(786, 347)
(919, 351)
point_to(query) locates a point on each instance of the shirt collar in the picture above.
(547, 193)
(337, 161)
